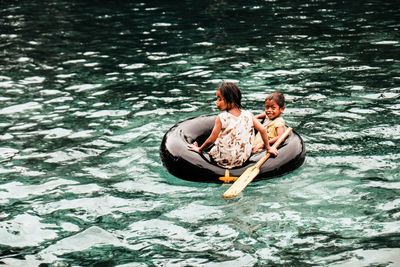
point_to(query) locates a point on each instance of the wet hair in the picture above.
(231, 94)
(279, 98)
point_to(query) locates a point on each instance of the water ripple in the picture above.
(83, 114)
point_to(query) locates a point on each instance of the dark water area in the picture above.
(89, 88)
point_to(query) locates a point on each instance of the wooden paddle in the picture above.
(252, 171)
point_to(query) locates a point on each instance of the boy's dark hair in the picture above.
(279, 98)
(231, 93)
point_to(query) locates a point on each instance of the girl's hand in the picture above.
(273, 151)
(194, 147)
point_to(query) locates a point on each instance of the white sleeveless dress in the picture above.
(234, 143)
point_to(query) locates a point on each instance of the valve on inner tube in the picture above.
(227, 178)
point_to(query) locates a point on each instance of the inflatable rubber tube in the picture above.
(192, 166)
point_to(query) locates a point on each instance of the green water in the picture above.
(89, 88)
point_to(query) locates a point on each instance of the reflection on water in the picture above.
(89, 89)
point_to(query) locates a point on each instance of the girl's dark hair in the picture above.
(231, 93)
(279, 98)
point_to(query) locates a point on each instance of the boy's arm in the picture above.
(260, 116)
(257, 147)
(279, 131)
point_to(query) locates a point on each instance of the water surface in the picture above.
(89, 88)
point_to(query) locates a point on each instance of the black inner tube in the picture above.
(192, 166)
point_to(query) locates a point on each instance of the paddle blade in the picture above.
(242, 182)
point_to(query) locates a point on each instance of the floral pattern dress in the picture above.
(234, 143)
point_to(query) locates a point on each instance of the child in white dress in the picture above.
(233, 132)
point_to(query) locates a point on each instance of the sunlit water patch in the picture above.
(89, 89)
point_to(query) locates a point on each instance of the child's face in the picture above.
(272, 109)
(221, 103)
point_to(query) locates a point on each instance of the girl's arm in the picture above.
(264, 136)
(279, 131)
(210, 140)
